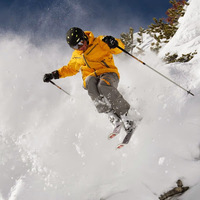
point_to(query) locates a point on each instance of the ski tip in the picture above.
(120, 146)
(112, 135)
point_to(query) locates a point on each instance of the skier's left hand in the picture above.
(110, 41)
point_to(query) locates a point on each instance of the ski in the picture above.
(116, 131)
(119, 146)
(128, 125)
(125, 141)
(127, 137)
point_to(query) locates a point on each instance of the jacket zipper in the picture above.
(92, 49)
(89, 65)
(86, 62)
(105, 64)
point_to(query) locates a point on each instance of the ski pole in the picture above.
(188, 91)
(59, 88)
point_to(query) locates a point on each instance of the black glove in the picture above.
(48, 77)
(110, 41)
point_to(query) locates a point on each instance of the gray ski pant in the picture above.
(103, 91)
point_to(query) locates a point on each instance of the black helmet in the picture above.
(74, 36)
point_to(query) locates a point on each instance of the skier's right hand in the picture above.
(48, 77)
(110, 41)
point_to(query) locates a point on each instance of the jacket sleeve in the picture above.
(73, 67)
(117, 50)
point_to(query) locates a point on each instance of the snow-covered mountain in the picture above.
(54, 146)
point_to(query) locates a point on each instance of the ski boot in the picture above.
(117, 124)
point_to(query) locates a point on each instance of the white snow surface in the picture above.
(54, 146)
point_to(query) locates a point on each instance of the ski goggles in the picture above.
(78, 45)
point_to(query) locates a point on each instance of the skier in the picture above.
(93, 56)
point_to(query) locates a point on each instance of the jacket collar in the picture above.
(90, 36)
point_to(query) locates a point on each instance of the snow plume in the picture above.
(55, 146)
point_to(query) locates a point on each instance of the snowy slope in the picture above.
(55, 146)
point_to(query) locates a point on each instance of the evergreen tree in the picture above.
(140, 33)
(162, 30)
(174, 58)
(176, 11)
(127, 39)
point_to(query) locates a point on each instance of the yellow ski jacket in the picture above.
(96, 60)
